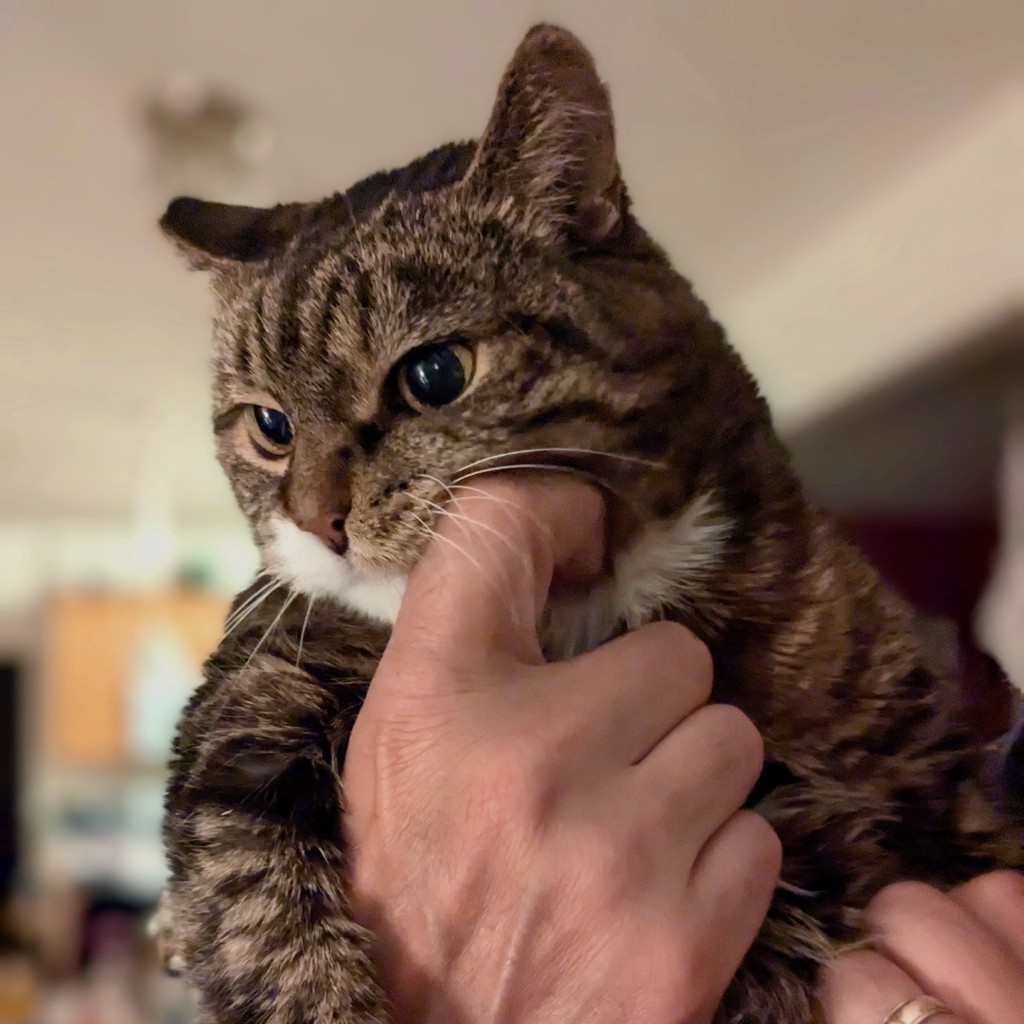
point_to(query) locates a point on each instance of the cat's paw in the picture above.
(161, 930)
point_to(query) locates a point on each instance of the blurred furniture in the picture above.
(91, 643)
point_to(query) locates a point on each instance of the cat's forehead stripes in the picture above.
(284, 300)
(337, 310)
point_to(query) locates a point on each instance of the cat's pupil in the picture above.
(435, 375)
(274, 425)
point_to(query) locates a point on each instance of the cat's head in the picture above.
(491, 305)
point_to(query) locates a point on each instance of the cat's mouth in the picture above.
(309, 567)
(668, 563)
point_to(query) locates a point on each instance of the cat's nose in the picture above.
(330, 528)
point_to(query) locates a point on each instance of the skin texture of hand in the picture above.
(548, 842)
(965, 948)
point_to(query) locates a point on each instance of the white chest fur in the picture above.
(655, 572)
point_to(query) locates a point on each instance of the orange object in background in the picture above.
(90, 641)
(19, 990)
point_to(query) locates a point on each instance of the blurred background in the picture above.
(843, 181)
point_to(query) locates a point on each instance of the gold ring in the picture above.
(916, 1011)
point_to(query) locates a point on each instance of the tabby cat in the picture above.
(494, 306)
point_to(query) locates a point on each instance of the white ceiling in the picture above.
(745, 126)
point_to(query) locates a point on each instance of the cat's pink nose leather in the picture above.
(330, 529)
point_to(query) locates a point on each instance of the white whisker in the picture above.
(284, 607)
(440, 483)
(526, 465)
(255, 596)
(515, 465)
(460, 517)
(593, 478)
(250, 606)
(486, 495)
(434, 535)
(479, 491)
(302, 632)
(563, 451)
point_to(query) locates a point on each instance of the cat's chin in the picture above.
(299, 559)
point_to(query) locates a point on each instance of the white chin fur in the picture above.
(298, 558)
(655, 572)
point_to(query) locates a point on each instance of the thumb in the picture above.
(483, 581)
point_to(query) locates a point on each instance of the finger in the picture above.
(864, 988)
(481, 585)
(731, 886)
(949, 951)
(997, 899)
(703, 770)
(625, 696)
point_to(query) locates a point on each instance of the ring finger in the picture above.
(865, 988)
(951, 951)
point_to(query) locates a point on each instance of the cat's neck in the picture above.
(664, 567)
(800, 625)
(822, 675)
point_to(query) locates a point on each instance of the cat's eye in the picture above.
(435, 375)
(270, 430)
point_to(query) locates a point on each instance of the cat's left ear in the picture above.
(551, 139)
(217, 236)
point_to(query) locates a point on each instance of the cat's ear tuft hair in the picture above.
(551, 138)
(215, 236)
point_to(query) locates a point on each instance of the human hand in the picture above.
(964, 948)
(548, 842)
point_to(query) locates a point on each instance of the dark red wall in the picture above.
(943, 567)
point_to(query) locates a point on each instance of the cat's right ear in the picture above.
(551, 139)
(218, 236)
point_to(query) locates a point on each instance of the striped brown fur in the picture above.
(524, 248)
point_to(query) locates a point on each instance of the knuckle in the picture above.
(680, 648)
(901, 897)
(1005, 888)
(763, 844)
(745, 743)
(606, 872)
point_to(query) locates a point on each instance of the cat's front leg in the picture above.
(258, 865)
(267, 932)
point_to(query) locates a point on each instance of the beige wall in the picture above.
(918, 265)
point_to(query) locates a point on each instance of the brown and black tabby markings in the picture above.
(522, 251)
